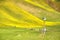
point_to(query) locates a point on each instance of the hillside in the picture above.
(27, 13)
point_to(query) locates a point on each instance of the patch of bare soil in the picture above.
(54, 4)
(29, 8)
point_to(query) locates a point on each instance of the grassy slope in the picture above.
(7, 12)
(13, 15)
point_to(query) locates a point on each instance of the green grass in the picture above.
(12, 33)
